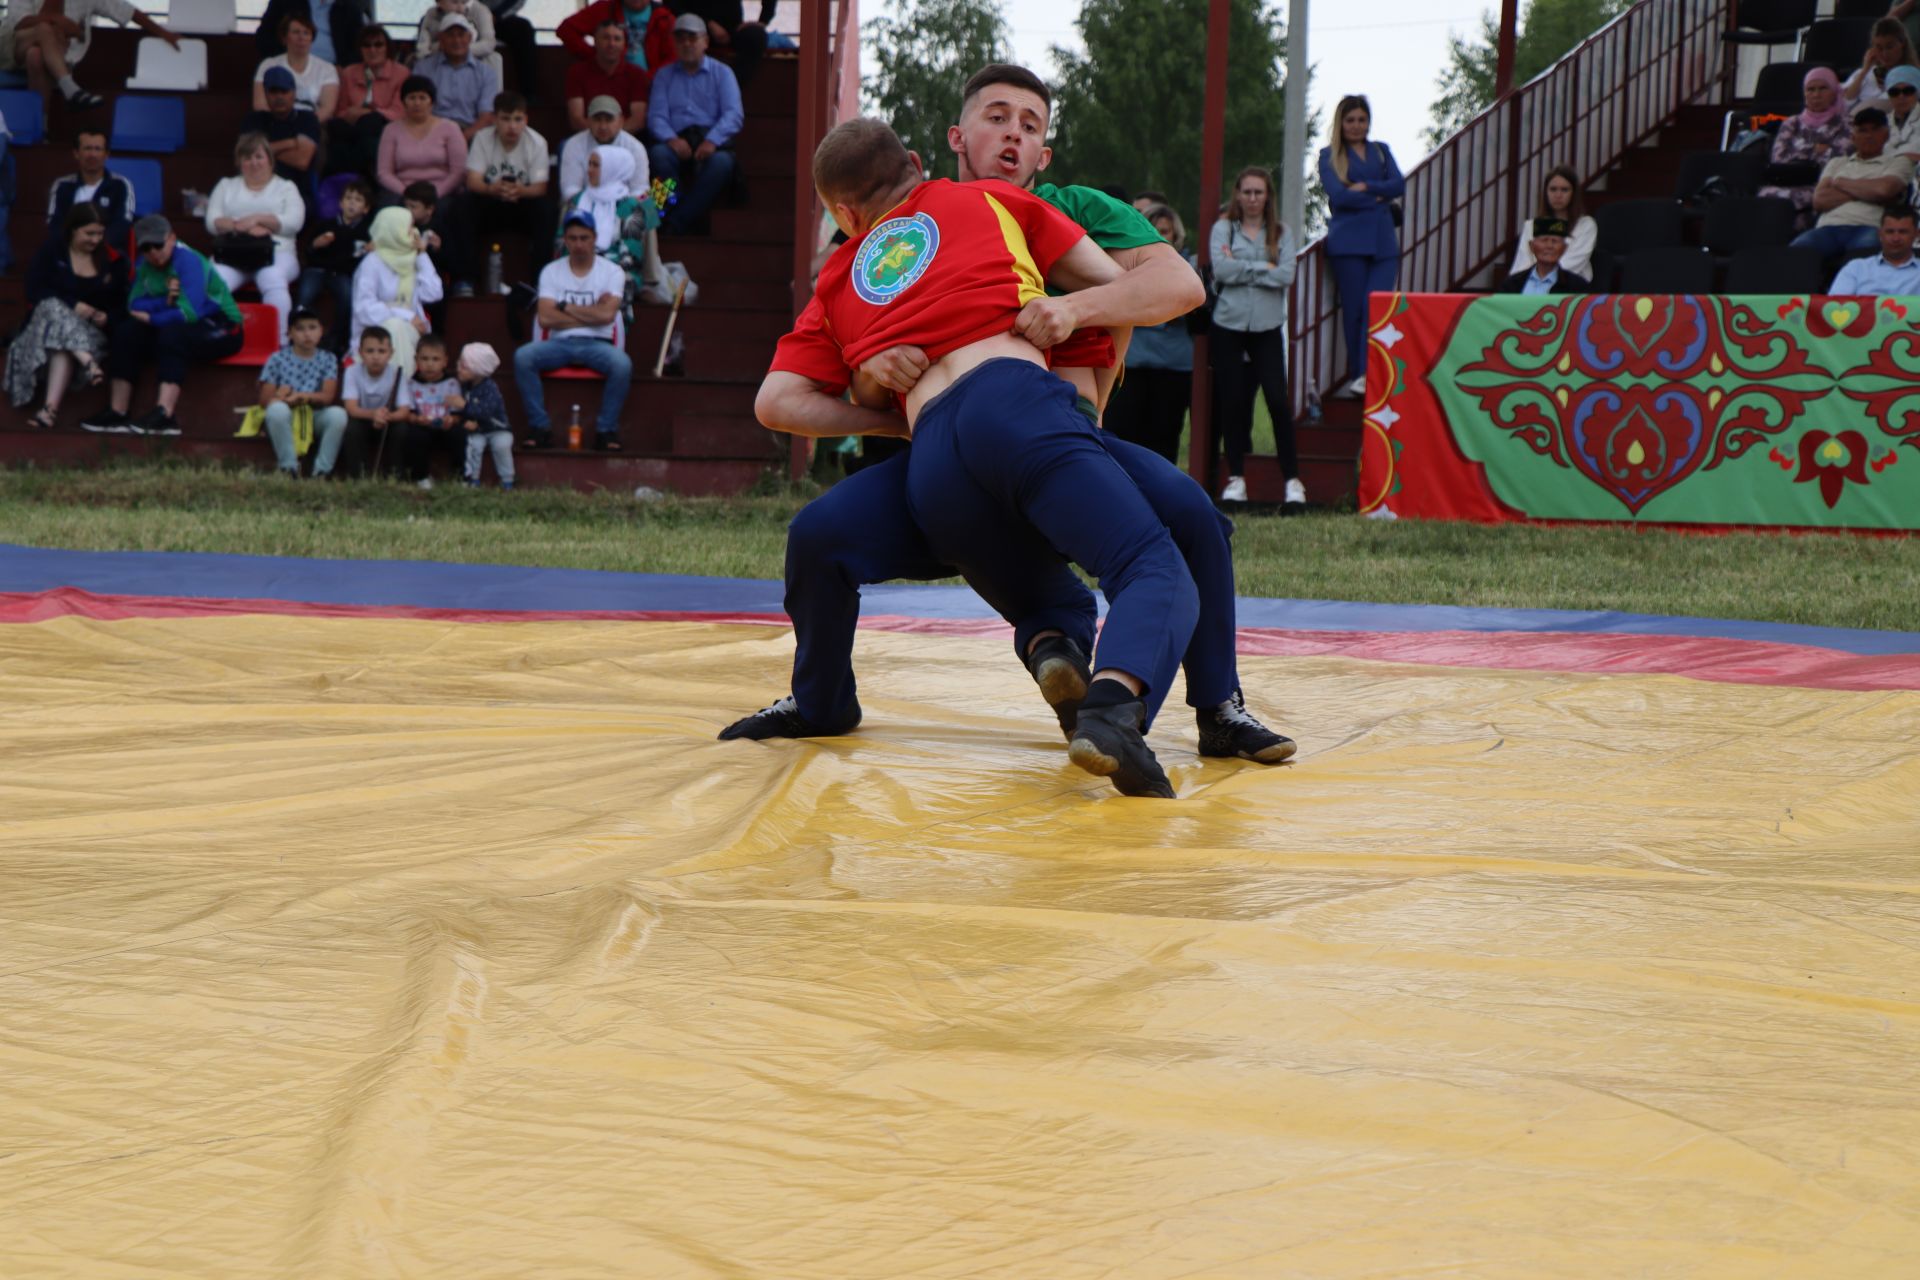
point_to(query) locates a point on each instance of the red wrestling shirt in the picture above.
(948, 266)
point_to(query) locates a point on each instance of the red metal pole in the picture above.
(1213, 135)
(1503, 65)
(809, 126)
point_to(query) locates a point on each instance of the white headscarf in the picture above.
(603, 201)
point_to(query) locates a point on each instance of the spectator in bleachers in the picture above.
(1362, 183)
(608, 74)
(1253, 266)
(179, 311)
(335, 23)
(485, 46)
(464, 86)
(300, 375)
(1807, 141)
(251, 210)
(421, 146)
(1888, 49)
(517, 42)
(483, 414)
(446, 237)
(316, 82)
(1853, 190)
(1891, 273)
(370, 393)
(111, 195)
(623, 223)
(394, 284)
(745, 42)
(334, 250)
(509, 183)
(1903, 122)
(77, 288)
(1149, 406)
(429, 400)
(369, 102)
(603, 130)
(649, 31)
(49, 41)
(1560, 199)
(1150, 199)
(581, 296)
(693, 117)
(292, 134)
(1547, 272)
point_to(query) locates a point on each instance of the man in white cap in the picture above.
(603, 130)
(464, 87)
(692, 120)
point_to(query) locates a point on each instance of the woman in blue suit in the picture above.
(1361, 182)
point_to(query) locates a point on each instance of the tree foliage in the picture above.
(925, 53)
(1128, 109)
(1548, 28)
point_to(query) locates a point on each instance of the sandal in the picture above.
(45, 420)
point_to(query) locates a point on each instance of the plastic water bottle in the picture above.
(494, 271)
(573, 430)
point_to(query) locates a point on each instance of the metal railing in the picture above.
(1465, 202)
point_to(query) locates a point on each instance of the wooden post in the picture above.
(810, 125)
(1213, 132)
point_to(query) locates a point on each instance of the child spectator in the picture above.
(443, 239)
(508, 182)
(430, 400)
(370, 393)
(333, 254)
(301, 375)
(484, 414)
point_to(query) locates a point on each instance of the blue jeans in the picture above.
(315, 281)
(1838, 242)
(329, 429)
(605, 359)
(7, 192)
(710, 180)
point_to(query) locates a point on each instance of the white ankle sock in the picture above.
(68, 86)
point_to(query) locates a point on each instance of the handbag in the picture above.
(243, 252)
(1200, 319)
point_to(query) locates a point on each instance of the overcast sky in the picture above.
(1390, 50)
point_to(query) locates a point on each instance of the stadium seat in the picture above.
(1858, 9)
(1780, 82)
(1738, 172)
(158, 65)
(1667, 269)
(201, 17)
(149, 123)
(573, 372)
(1772, 22)
(260, 329)
(1764, 270)
(13, 79)
(149, 191)
(26, 117)
(1839, 43)
(1748, 222)
(1627, 225)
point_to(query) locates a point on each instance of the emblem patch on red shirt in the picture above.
(894, 255)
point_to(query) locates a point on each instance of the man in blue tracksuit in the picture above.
(862, 531)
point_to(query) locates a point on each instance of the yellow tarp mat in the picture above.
(405, 949)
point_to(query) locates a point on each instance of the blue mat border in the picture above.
(516, 589)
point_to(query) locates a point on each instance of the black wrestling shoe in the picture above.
(782, 720)
(1107, 743)
(1060, 668)
(1229, 730)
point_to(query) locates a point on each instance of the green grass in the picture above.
(1832, 580)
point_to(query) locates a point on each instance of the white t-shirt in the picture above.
(560, 284)
(573, 164)
(306, 88)
(526, 164)
(370, 392)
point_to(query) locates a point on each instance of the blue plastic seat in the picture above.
(149, 192)
(26, 118)
(149, 122)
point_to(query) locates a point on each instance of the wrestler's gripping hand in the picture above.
(1047, 322)
(897, 368)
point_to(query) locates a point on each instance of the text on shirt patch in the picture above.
(894, 255)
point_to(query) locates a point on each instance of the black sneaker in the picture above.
(107, 422)
(1059, 667)
(1230, 731)
(1107, 743)
(156, 422)
(538, 440)
(782, 720)
(85, 101)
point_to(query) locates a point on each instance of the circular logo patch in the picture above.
(893, 256)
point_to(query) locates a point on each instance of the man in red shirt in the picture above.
(649, 31)
(960, 272)
(608, 74)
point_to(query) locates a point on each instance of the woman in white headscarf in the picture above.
(623, 226)
(393, 285)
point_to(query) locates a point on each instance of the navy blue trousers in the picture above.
(1357, 278)
(862, 532)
